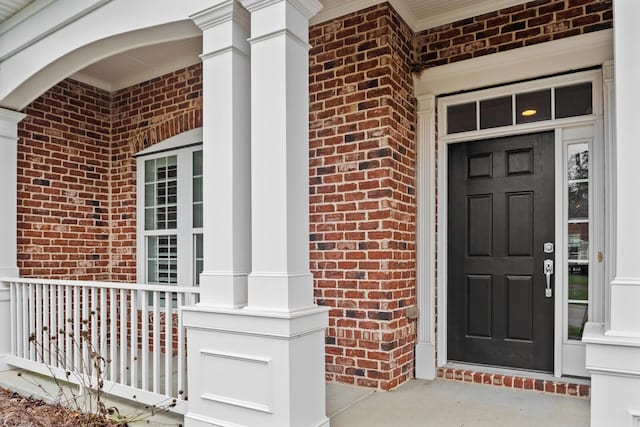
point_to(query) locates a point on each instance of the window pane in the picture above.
(578, 200)
(577, 315)
(533, 106)
(578, 282)
(162, 259)
(578, 161)
(199, 258)
(496, 112)
(461, 118)
(579, 241)
(161, 193)
(197, 189)
(573, 100)
(149, 170)
(197, 163)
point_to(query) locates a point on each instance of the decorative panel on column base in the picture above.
(614, 363)
(253, 368)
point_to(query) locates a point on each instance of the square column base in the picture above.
(255, 368)
(614, 363)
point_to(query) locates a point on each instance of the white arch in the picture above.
(39, 60)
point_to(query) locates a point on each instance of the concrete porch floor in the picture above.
(420, 403)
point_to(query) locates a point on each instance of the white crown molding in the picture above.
(308, 8)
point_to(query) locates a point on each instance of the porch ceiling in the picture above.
(144, 63)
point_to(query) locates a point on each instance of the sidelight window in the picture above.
(578, 223)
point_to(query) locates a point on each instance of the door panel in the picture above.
(501, 211)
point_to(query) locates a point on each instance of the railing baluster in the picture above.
(53, 325)
(93, 315)
(13, 295)
(134, 338)
(123, 336)
(60, 327)
(103, 313)
(145, 339)
(168, 341)
(32, 321)
(44, 315)
(77, 322)
(84, 327)
(113, 338)
(156, 342)
(68, 327)
(181, 355)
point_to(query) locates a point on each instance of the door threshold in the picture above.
(516, 379)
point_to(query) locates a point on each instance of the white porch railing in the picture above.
(59, 327)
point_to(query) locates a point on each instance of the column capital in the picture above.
(221, 13)
(309, 8)
(9, 120)
(225, 27)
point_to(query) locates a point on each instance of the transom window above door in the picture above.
(530, 105)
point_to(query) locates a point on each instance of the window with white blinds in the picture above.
(170, 239)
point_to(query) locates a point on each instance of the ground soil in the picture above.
(17, 410)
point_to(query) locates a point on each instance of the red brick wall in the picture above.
(76, 172)
(143, 115)
(362, 172)
(523, 25)
(63, 184)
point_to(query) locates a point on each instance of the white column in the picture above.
(613, 348)
(280, 278)
(425, 238)
(226, 154)
(8, 220)
(263, 365)
(625, 288)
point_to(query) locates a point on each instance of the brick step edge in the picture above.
(582, 391)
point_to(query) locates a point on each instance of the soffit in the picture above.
(137, 65)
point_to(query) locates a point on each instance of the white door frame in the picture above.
(520, 64)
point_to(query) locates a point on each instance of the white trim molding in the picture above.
(425, 241)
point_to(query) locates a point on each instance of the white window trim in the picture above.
(182, 145)
(519, 64)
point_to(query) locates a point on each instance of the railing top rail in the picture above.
(105, 285)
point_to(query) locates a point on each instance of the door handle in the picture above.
(548, 271)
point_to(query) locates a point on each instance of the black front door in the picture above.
(501, 212)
